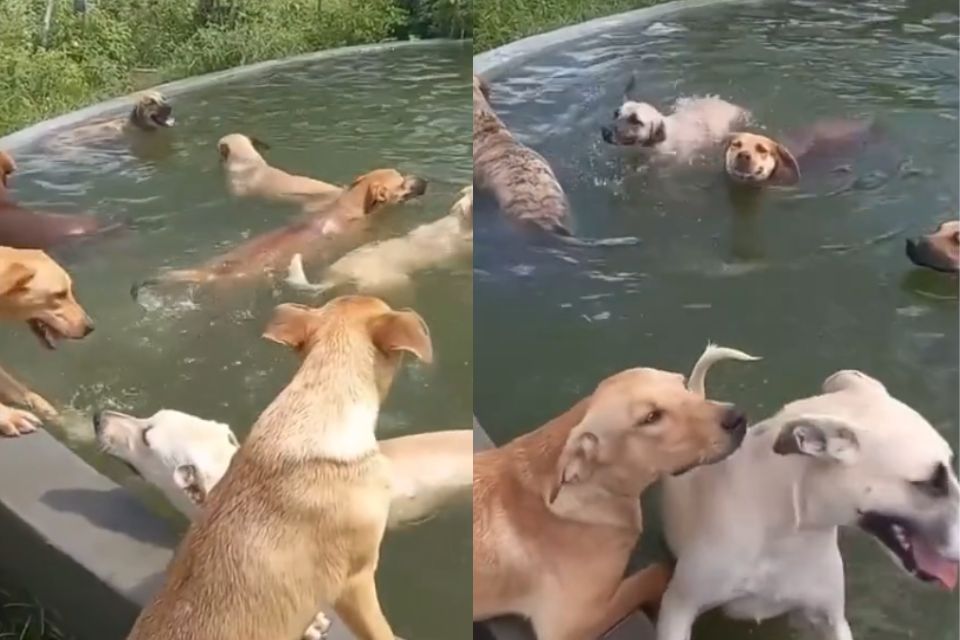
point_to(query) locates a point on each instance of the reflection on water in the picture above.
(202, 353)
(813, 279)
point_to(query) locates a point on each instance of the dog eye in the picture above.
(634, 119)
(937, 485)
(736, 144)
(652, 417)
(60, 295)
(761, 149)
(143, 437)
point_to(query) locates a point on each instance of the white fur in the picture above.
(757, 532)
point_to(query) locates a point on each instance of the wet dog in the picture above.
(521, 180)
(390, 263)
(150, 113)
(296, 522)
(36, 290)
(694, 125)
(758, 160)
(272, 251)
(249, 175)
(756, 534)
(556, 512)
(185, 457)
(939, 250)
(23, 228)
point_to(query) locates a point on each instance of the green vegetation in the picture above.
(502, 21)
(117, 46)
(22, 619)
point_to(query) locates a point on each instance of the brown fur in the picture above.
(296, 522)
(272, 251)
(521, 180)
(36, 290)
(151, 112)
(556, 512)
(939, 250)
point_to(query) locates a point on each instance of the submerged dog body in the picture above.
(556, 512)
(939, 250)
(296, 522)
(520, 179)
(249, 175)
(757, 532)
(390, 263)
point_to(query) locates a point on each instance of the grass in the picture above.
(118, 46)
(502, 21)
(24, 619)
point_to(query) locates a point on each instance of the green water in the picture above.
(203, 354)
(762, 274)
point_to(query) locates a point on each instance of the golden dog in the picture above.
(556, 512)
(296, 522)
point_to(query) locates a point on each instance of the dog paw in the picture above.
(319, 629)
(39, 406)
(16, 422)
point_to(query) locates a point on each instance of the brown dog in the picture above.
(757, 160)
(36, 290)
(249, 175)
(150, 113)
(274, 250)
(23, 228)
(939, 250)
(521, 180)
(556, 512)
(297, 520)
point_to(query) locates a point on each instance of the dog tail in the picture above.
(297, 278)
(712, 355)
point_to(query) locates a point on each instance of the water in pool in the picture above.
(813, 279)
(333, 119)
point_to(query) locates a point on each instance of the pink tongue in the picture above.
(932, 563)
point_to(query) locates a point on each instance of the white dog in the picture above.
(694, 125)
(185, 457)
(389, 264)
(757, 532)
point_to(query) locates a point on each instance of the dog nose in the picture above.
(743, 156)
(88, 329)
(734, 420)
(607, 134)
(419, 186)
(97, 421)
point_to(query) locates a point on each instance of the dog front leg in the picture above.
(641, 590)
(16, 422)
(360, 610)
(13, 391)
(677, 614)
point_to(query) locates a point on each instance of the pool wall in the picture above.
(86, 548)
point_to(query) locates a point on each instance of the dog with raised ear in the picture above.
(296, 522)
(249, 175)
(939, 250)
(756, 534)
(556, 512)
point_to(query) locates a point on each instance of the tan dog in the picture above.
(272, 251)
(151, 112)
(521, 180)
(36, 290)
(296, 522)
(249, 175)
(380, 266)
(939, 250)
(556, 512)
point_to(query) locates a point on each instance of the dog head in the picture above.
(152, 112)
(939, 250)
(36, 290)
(238, 148)
(876, 463)
(636, 123)
(7, 168)
(358, 334)
(182, 455)
(383, 187)
(642, 424)
(754, 159)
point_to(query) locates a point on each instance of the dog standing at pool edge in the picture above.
(307, 495)
(556, 512)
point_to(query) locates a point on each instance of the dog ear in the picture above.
(259, 144)
(850, 379)
(577, 461)
(630, 91)
(402, 331)
(224, 150)
(659, 133)
(819, 437)
(376, 194)
(188, 478)
(15, 278)
(289, 325)
(787, 171)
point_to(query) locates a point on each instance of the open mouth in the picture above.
(46, 333)
(163, 118)
(911, 549)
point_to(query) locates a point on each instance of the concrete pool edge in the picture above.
(121, 104)
(496, 61)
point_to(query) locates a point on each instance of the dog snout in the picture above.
(734, 420)
(416, 186)
(87, 326)
(607, 134)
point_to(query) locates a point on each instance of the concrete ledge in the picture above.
(635, 627)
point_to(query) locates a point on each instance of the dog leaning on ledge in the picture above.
(296, 522)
